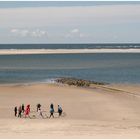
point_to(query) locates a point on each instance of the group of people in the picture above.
(21, 110)
(52, 110)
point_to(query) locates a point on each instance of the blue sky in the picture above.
(69, 22)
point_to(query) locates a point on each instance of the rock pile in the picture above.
(77, 82)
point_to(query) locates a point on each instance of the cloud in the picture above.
(38, 33)
(75, 33)
(28, 33)
(20, 32)
(82, 35)
(23, 33)
(14, 30)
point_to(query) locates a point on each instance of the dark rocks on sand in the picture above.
(77, 82)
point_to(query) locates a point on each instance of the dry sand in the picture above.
(64, 51)
(111, 111)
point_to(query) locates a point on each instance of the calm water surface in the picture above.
(105, 67)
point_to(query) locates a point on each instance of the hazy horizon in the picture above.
(75, 22)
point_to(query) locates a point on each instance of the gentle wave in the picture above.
(29, 83)
(71, 46)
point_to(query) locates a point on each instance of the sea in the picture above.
(45, 68)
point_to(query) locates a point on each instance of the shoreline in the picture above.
(65, 81)
(64, 51)
(56, 83)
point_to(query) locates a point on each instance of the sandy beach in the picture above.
(64, 51)
(105, 111)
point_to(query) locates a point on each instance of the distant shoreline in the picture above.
(60, 81)
(64, 51)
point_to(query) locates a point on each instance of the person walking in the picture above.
(60, 110)
(27, 111)
(38, 106)
(51, 111)
(15, 110)
(40, 114)
(19, 111)
(22, 107)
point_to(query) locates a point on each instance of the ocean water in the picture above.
(102, 67)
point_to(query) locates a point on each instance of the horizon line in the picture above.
(61, 43)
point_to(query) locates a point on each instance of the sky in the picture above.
(69, 22)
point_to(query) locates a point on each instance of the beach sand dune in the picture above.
(98, 112)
